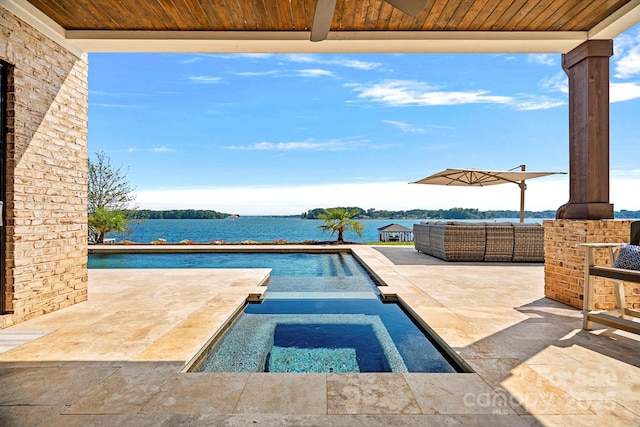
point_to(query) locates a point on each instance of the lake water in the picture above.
(260, 229)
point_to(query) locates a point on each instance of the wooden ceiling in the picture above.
(350, 15)
(84, 21)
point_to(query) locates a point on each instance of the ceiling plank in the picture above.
(480, 19)
(362, 10)
(464, 7)
(384, 18)
(444, 21)
(210, 10)
(590, 15)
(530, 9)
(373, 15)
(506, 20)
(285, 9)
(348, 14)
(494, 17)
(551, 7)
(232, 15)
(561, 19)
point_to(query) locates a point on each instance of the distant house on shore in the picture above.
(395, 233)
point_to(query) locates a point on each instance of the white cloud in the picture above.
(94, 104)
(204, 79)
(557, 83)
(541, 58)
(437, 147)
(404, 127)
(627, 55)
(122, 97)
(312, 72)
(532, 102)
(163, 149)
(259, 73)
(398, 93)
(237, 55)
(315, 72)
(625, 173)
(253, 55)
(332, 60)
(623, 91)
(304, 58)
(310, 145)
(105, 93)
(404, 93)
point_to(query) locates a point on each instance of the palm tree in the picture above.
(102, 221)
(339, 220)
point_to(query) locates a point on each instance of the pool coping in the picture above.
(177, 248)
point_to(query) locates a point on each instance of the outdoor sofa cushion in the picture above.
(628, 257)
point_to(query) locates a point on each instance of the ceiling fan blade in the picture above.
(322, 17)
(410, 7)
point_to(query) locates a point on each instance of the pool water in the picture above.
(282, 264)
(324, 335)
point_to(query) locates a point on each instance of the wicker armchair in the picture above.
(421, 239)
(458, 241)
(528, 244)
(500, 242)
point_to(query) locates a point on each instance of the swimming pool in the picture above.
(320, 313)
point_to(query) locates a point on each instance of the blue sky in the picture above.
(281, 134)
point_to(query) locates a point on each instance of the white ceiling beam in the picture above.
(337, 42)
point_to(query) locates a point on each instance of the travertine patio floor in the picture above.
(117, 358)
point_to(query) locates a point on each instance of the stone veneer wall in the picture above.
(46, 150)
(564, 260)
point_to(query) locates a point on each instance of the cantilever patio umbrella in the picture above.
(480, 178)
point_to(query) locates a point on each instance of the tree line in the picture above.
(453, 213)
(175, 214)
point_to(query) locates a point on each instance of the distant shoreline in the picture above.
(369, 214)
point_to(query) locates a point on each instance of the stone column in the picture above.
(588, 69)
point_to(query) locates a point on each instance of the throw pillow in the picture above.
(629, 257)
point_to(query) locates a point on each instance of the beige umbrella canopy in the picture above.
(480, 178)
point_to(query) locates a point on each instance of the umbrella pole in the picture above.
(523, 187)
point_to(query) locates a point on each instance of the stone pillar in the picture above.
(587, 67)
(564, 261)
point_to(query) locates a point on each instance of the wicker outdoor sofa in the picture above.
(480, 241)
